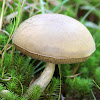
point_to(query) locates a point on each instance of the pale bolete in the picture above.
(55, 39)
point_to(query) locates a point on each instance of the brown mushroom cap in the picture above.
(54, 38)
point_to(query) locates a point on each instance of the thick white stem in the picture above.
(44, 78)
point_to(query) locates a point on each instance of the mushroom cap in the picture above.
(54, 38)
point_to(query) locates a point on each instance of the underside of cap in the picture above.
(52, 59)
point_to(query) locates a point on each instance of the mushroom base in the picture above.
(43, 80)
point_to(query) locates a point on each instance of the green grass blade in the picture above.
(93, 95)
(86, 15)
(62, 3)
(38, 65)
(42, 6)
(39, 69)
(96, 84)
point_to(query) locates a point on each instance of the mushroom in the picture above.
(55, 39)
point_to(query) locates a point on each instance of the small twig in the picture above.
(73, 75)
(20, 84)
(5, 32)
(6, 79)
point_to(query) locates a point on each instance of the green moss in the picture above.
(97, 75)
(79, 86)
(84, 72)
(22, 68)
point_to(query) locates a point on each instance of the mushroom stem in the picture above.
(44, 78)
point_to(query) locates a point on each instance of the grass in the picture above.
(42, 6)
(18, 70)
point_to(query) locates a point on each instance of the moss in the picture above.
(22, 68)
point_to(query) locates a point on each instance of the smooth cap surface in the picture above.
(54, 38)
